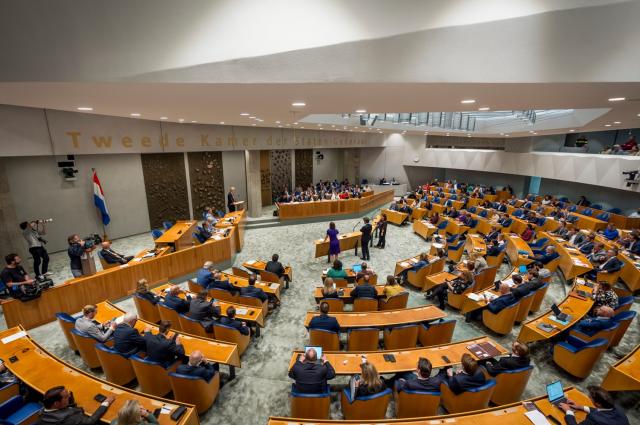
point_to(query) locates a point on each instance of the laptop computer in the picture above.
(555, 393)
(522, 269)
(357, 268)
(317, 348)
(559, 314)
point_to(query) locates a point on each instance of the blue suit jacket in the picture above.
(327, 323)
(128, 340)
(462, 382)
(586, 248)
(364, 291)
(205, 370)
(223, 284)
(593, 325)
(177, 303)
(610, 234)
(236, 324)
(204, 278)
(500, 303)
(252, 291)
(547, 258)
(600, 417)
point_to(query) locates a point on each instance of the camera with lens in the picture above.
(92, 240)
(632, 177)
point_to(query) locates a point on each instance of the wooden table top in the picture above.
(380, 319)
(350, 235)
(240, 282)
(624, 375)
(262, 265)
(346, 292)
(177, 231)
(214, 350)
(41, 370)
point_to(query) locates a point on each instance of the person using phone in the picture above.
(369, 381)
(420, 379)
(310, 376)
(88, 325)
(132, 413)
(60, 409)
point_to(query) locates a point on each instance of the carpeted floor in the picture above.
(262, 386)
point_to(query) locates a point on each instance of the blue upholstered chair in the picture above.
(483, 214)
(416, 404)
(328, 340)
(195, 390)
(624, 304)
(437, 332)
(146, 309)
(588, 212)
(16, 411)
(167, 224)
(474, 399)
(156, 233)
(603, 216)
(624, 318)
(153, 377)
(539, 243)
(401, 337)
(67, 322)
(577, 356)
(116, 366)
(310, 406)
(86, 348)
(363, 339)
(510, 385)
(369, 407)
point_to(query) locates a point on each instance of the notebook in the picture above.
(483, 350)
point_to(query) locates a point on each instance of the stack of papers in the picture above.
(537, 418)
(274, 285)
(405, 264)
(509, 282)
(13, 337)
(437, 245)
(474, 296)
(250, 262)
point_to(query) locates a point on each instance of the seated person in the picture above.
(453, 213)
(365, 290)
(493, 250)
(337, 271)
(502, 207)
(310, 376)
(392, 288)
(610, 232)
(528, 234)
(88, 325)
(60, 409)
(204, 277)
(605, 411)
(493, 234)
(393, 206)
(252, 291)
(423, 261)
(505, 221)
(209, 224)
(161, 349)
(133, 413)
(368, 382)
(518, 358)
(231, 321)
(324, 321)
(329, 290)
(203, 310)
(198, 366)
(421, 379)
(112, 257)
(545, 257)
(603, 318)
(598, 254)
(435, 218)
(478, 261)
(604, 295)
(632, 244)
(364, 270)
(505, 300)
(172, 299)
(274, 266)
(610, 264)
(468, 378)
(225, 285)
(586, 245)
(543, 272)
(562, 230)
(142, 290)
(127, 340)
(456, 286)
(16, 277)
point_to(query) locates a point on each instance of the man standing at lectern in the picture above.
(231, 199)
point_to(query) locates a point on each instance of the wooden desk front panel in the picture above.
(380, 319)
(347, 241)
(289, 211)
(624, 375)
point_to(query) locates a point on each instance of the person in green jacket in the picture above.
(134, 414)
(336, 271)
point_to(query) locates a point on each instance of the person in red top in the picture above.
(528, 233)
(629, 144)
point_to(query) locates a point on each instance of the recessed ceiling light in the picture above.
(530, 131)
(194, 121)
(302, 127)
(135, 114)
(617, 99)
(333, 126)
(468, 135)
(252, 117)
(506, 135)
(85, 108)
(502, 134)
(253, 125)
(639, 115)
(181, 119)
(617, 122)
(535, 132)
(484, 108)
(244, 114)
(572, 131)
(447, 134)
(468, 101)
(277, 122)
(279, 126)
(259, 120)
(221, 122)
(295, 123)
(361, 111)
(319, 125)
(607, 125)
(288, 125)
(164, 118)
(298, 104)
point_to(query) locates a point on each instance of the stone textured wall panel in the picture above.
(304, 168)
(207, 182)
(165, 184)
(280, 161)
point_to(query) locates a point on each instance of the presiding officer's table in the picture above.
(298, 210)
(382, 319)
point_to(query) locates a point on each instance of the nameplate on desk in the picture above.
(274, 286)
(405, 264)
(13, 337)
(242, 311)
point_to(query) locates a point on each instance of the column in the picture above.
(254, 195)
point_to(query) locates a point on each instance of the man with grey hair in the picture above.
(198, 366)
(231, 199)
(204, 277)
(88, 325)
(127, 339)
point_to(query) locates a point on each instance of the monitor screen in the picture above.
(555, 391)
(317, 348)
(357, 268)
(523, 269)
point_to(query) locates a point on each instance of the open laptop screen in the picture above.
(555, 391)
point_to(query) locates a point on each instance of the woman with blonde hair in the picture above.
(369, 381)
(142, 290)
(328, 291)
(134, 414)
(392, 287)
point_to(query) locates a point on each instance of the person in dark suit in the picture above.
(204, 311)
(494, 249)
(364, 291)
(505, 221)
(252, 291)
(468, 378)
(365, 238)
(604, 413)
(274, 266)
(421, 379)
(493, 234)
(230, 320)
(142, 290)
(611, 264)
(60, 409)
(586, 246)
(112, 257)
(602, 320)
(231, 199)
(545, 257)
(225, 285)
(127, 340)
(502, 207)
(204, 277)
(381, 227)
(173, 301)
(164, 350)
(506, 299)
(518, 358)
(198, 366)
(324, 321)
(633, 244)
(311, 377)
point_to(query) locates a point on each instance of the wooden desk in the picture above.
(454, 227)
(348, 363)
(424, 228)
(298, 210)
(573, 263)
(589, 223)
(240, 282)
(514, 245)
(383, 319)
(484, 226)
(419, 213)
(41, 370)
(237, 219)
(395, 217)
(518, 226)
(624, 375)
(508, 414)
(402, 265)
(179, 236)
(572, 305)
(351, 276)
(433, 280)
(345, 295)
(156, 252)
(260, 265)
(347, 241)
(475, 243)
(115, 283)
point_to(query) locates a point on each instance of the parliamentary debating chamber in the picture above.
(315, 212)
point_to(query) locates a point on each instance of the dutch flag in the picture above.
(98, 199)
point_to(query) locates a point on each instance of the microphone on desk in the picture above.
(354, 226)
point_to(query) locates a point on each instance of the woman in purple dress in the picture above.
(334, 243)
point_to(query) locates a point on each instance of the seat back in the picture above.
(17, 411)
(152, 376)
(416, 404)
(335, 304)
(510, 385)
(229, 334)
(67, 322)
(524, 306)
(329, 341)
(369, 407)
(607, 333)
(363, 339)
(193, 327)
(436, 333)
(624, 318)
(194, 286)
(485, 278)
(254, 302)
(223, 294)
(503, 322)
(538, 297)
(495, 260)
(475, 399)
(340, 283)
(146, 309)
(116, 367)
(624, 304)
(437, 266)
(86, 347)
(156, 233)
(310, 406)
(588, 212)
(240, 272)
(416, 277)
(365, 304)
(399, 337)
(269, 277)
(167, 313)
(612, 277)
(195, 390)
(396, 302)
(578, 357)
(552, 265)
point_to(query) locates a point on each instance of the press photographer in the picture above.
(18, 282)
(33, 232)
(77, 248)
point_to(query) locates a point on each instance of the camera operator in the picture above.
(112, 257)
(32, 232)
(15, 276)
(77, 247)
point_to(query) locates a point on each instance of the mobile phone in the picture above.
(446, 359)
(177, 414)
(13, 359)
(529, 406)
(99, 398)
(156, 412)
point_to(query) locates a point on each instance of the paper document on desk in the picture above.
(509, 282)
(437, 245)
(474, 296)
(405, 264)
(138, 259)
(241, 311)
(13, 337)
(251, 262)
(274, 286)
(537, 418)
(119, 320)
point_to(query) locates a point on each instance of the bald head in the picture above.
(311, 355)
(174, 290)
(504, 289)
(130, 319)
(208, 265)
(106, 245)
(195, 358)
(605, 311)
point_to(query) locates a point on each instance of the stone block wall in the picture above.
(165, 184)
